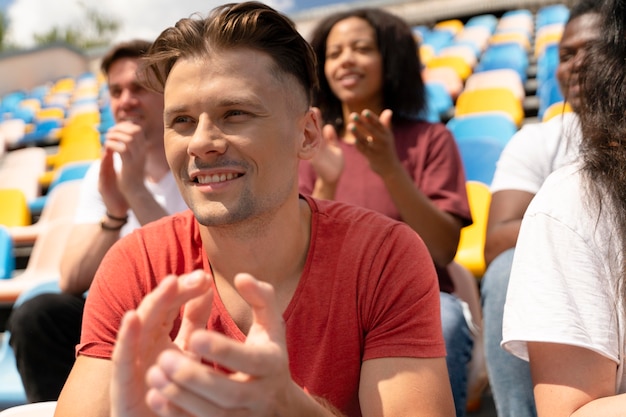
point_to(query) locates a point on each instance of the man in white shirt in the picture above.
(130, 186)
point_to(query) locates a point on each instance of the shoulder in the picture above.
(365, 231)
(419, 128)
(561, 193)
(164, 233)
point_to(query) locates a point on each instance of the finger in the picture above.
(125, 354)
(261, 297)
(192, 386)
(264, 350)
(161, 307)
(115, 146)
(195, 316)
(330, 134)
(376, 126)
(385, 118)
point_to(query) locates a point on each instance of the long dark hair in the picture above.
(402, 87)
(603, 121)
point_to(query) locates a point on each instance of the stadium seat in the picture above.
(458, 64)
(554, 13)
(479, 156)
(12, 395)
(504, 55)
(446, 76)
(7, 256)
(489, 100)
(470, 252)
(61, 203)
(555, 110)
(440, 104)
(507, 78)
(14, 208)
(69, 172)
(488, 21)
(549, 92)
(496, 125)
(43, 264)
(86, 148)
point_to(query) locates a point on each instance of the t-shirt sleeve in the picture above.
(442, 178)
(401, 311)
(116, 288)
(559, 291)
(520, 166)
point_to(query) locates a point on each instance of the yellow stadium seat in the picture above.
(470, 252)
(14, 208)
(50, 113)
(452, 25)
(556, 109)
(85, 148)
(426, 53)
(458, 64)
(489, 100)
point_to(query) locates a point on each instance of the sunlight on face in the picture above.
(353, 64)
(232, 128)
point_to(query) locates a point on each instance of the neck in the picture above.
(272, 249)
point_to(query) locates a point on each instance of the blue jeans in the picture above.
(509, 376)
(459, 343)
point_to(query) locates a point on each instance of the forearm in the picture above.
(500, 238)
(439, 229)
(85, 249)
(143, 205)
(299, 403)
(612, 406)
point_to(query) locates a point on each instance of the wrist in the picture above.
(116, 218)
(113, 223)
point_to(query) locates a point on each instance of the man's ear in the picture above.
(311, 134)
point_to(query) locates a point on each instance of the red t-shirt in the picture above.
(429, 154)
(368, 290)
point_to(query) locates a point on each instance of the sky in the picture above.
(140, 18)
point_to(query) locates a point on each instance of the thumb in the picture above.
(262, 299)
(196, 311)
(385, 118)
(330, 134)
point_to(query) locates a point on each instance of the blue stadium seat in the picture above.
(479, 156)
(555, 13)
(494, 125)
(7, 257)
(549, 92)
(439, 101)
(504, 55)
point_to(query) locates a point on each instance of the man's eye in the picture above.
(180, 120)
(235, 113)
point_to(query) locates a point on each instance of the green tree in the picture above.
(94, 30)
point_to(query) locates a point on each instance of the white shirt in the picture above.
(563, 287)
(91, 207)
(535, 151)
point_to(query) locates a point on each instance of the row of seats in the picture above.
(36, 117)
(455, 54)
(489, 95)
